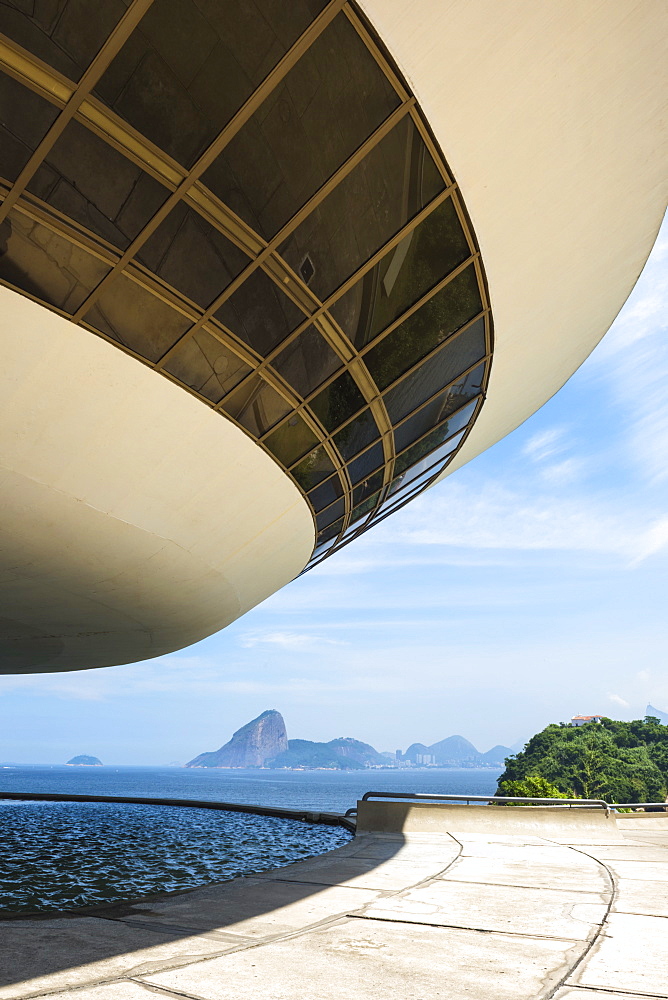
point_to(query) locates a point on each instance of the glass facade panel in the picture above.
(44, 264)
(438, 409)
(190, 255)
(325, 494)
(306, 362)
(391, 185)
(454, 358)
(326, 106)
(337, 401)
(433, 323)
(256, 406)
(292, 440)
(434, 438)
(313, 469)
(331, 532)
(367, 487)
(366, 463)
(130, 314)
(88, 181)
(260, 314)
(357, 434)
(207, 366)
(331, 514)
(66, 34)
(180, 88)
(426, 255)
(25, 119)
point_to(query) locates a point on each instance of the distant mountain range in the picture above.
(264, 742)
(661, 716)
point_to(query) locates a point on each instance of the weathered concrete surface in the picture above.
(456, 914)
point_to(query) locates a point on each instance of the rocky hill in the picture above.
(83, 760)
(251, 746)
(656, 713)
(343, 753)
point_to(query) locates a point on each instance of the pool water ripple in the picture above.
(60, 855)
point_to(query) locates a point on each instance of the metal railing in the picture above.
(495, 799)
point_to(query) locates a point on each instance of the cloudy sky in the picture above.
(528, 587)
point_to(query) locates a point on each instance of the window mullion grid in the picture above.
(114, 42)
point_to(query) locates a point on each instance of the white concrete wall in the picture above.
(551, 114)
(134, 519)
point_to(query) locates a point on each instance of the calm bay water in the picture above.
(63, 855)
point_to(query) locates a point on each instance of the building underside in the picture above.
(269, 271)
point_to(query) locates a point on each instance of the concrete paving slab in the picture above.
(583, 875)
(631, 955)
(512, 852)
(375, 960)
(575, 993)
(253, 907)
(356, 872)
(537, 912)
(48, 955)
(645, 871)
(630, 852)
(110, 991)
(636, 896)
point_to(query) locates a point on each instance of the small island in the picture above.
(83, 760)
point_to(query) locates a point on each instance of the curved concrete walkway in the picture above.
(426, 902)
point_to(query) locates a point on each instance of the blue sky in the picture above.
(527, 587)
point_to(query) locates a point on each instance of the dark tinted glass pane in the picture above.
(392, 184)
(256, 406)
(313, 469)
(337, 402)
(206, 365)
(90, 182)
(417, 459)
(366, 463)
(430, 252)
(364, 508)
(137, 319)
(191, 255)
(327, 105)
(259, 314)
(307, 361)
(24, 121)
(330, 532)
(326, 493)
(453, 358)
(433, 323)
(367, 487)
(291, 440)
(190, 65)
(66, 34)
(439, 408)
(332, 513)
(40, 262)
(356, 435)
(435, 438)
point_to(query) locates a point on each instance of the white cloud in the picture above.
(287, 640)
(617, 700)
(544, 444)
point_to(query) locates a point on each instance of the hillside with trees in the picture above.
(614, 761)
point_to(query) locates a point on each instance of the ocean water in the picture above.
(65, 855)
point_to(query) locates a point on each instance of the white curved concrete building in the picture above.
(268, 271)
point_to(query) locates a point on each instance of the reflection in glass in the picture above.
(38, 261)
(90, 182)
(423, 258)
(367, 487)
(433, 323)
(307, 361)
(259, 313)
(357, 434)
(292, 440)
(132, 316)
(436, 437)
(25, 119)
(207, 366)
(366, 463)
(191, 256)
(330, 532)
(326, 493)
(256, 406)
(327, 106)
(408, 475)
(337, 401)
(313, 469)
(391, 184)
(439, 408)
(332, 513)
(364, 508)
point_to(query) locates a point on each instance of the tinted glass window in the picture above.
(45, 265)
(433, 323)
(438, 409)
(307, 361)
(313, 469)
(367, 487)
(292, 440)
(66, 34)
(137, 319)
(434, 438)
(192, 256)
(443, 368)
(326, 106)
(256, 406)
(332, 513)
(338, 401)
(426, 255)
(206, 365)
(90, 182)
(24, 121)
(356, 435)
(179, 88)
(326, 493)
(260, 314)
(394, 181)
(366, 463)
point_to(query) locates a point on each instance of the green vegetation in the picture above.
(614, 761)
